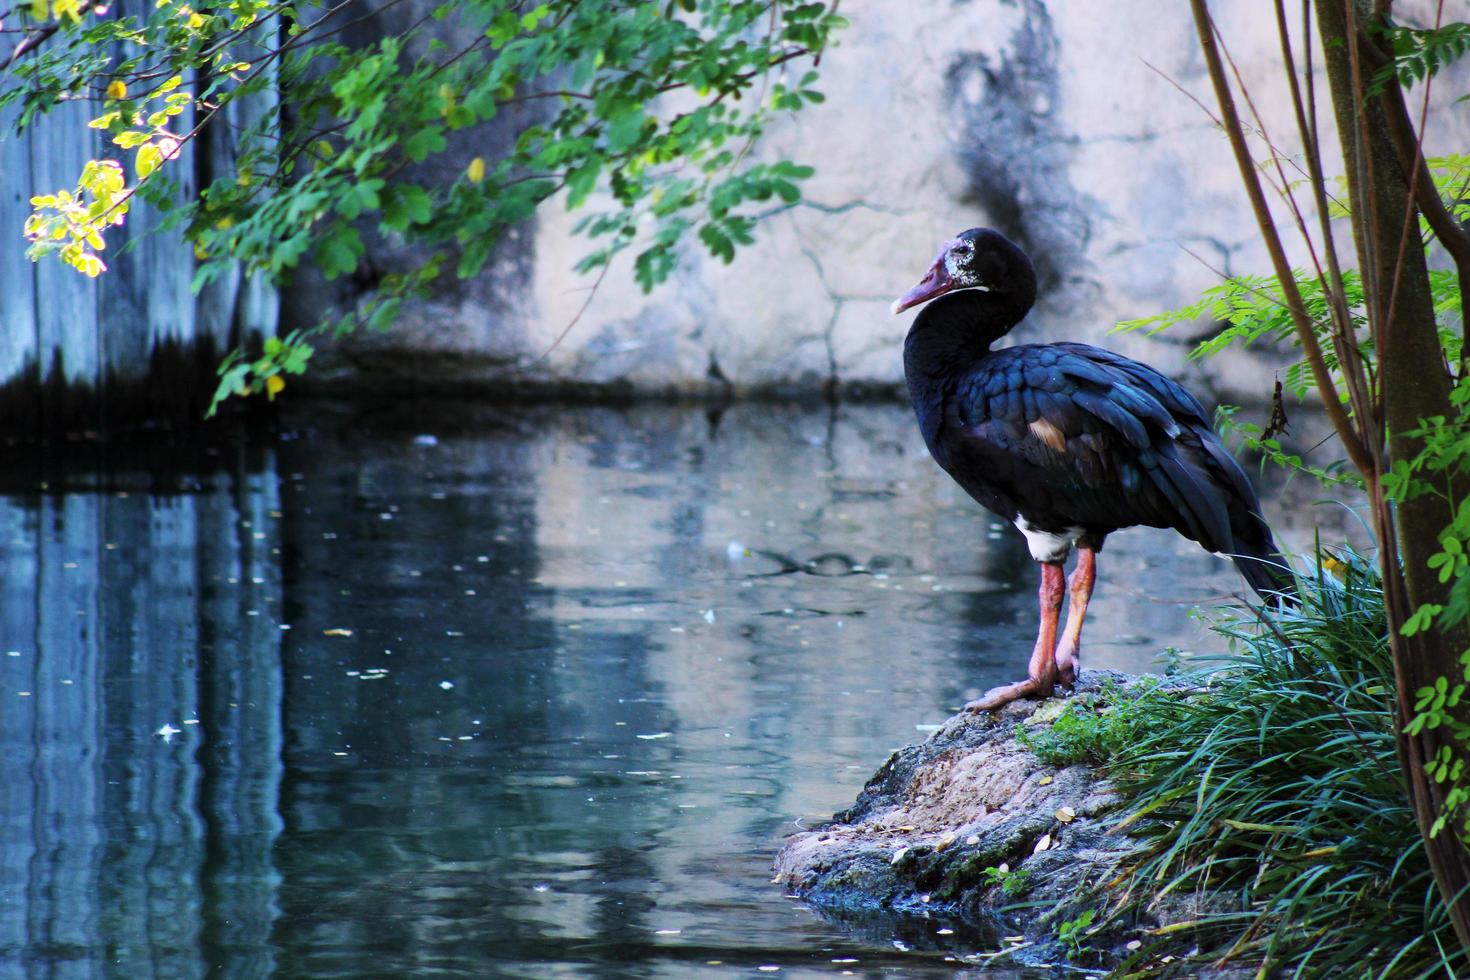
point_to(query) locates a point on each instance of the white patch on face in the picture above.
(1048, 546)
(960, 275)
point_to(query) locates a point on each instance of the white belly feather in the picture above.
(1048, 546)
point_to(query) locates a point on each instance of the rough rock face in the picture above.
(938, 814)
(1067, 124)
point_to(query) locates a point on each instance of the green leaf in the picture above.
(652, 266)
(459, 116)
(624, 130)
(719, 243)
(419, 145)
(359, 197)
(581, 182)
(472, 259)
(338, 251)
(405, 205)
(1421, 619)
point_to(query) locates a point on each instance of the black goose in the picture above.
(1067, 441)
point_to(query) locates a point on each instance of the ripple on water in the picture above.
(614, 656)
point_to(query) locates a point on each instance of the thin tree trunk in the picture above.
(1413, 385)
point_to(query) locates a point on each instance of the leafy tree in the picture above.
(1380, 351)
(647, 113)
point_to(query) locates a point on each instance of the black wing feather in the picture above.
(1069, 435)
(1169, 392)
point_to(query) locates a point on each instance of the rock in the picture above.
(939, 814)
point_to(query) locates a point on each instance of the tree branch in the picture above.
(39, 36)
(1409, 143)
(1344, 336)
(1352, 439)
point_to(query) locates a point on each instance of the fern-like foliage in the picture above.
(1420, 52)
(1250, 310)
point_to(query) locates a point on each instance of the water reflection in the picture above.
(141, 731)
(529, 693)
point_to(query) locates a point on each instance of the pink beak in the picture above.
(935, 282)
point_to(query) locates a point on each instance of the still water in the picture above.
(473, 692)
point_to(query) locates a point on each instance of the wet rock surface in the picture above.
(932, 823)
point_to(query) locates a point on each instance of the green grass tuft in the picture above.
(1093, 729)
(1271, 794)
(1013, 884)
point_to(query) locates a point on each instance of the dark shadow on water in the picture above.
(505, 692)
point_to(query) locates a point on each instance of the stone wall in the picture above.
(1079, 129)
(1070, 125)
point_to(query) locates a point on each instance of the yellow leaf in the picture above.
(274, 385)
(196, 21)
(1174, 927)
(149, 157)
(168, 86)
(40, 9)
(476, 170)
(117, 89)
(225, 224)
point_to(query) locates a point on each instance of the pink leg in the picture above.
(1043, 669)
(1079, 589)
